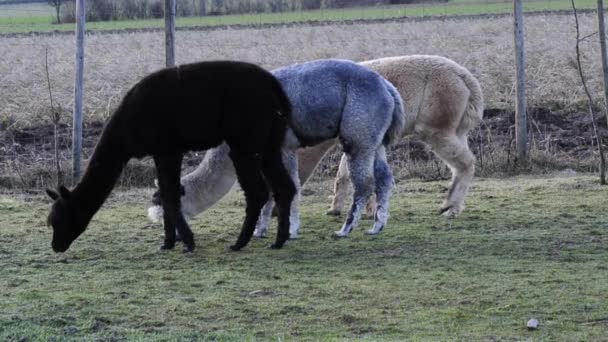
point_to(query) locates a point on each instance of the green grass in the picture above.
(43, 23)
(26, 10)
(524, 248)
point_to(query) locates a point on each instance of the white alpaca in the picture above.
(443, 101)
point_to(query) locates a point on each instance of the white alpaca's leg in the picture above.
(261, 227)
(291, 163)
(361, 167)
(290, 159)
(384, 185)
(455, 152)
(341, 187)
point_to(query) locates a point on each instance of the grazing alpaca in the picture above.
(174, 110)
(443, 101)
(331, 99)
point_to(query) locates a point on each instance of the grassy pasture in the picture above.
(525, 248)
(33, 18)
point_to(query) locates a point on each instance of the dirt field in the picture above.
(115, 61)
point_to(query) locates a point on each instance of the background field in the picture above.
(38, 18)
(525, 248)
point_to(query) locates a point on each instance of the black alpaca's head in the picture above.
(64, 219)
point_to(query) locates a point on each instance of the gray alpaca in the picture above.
(340, 99)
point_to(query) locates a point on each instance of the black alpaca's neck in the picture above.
(105, 166)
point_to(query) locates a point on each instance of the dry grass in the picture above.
(115, 61)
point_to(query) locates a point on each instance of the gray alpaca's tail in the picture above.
(473, 114)
(398, 123)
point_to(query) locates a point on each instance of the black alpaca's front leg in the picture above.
(284, 190)
(168, 168)
(249, 173)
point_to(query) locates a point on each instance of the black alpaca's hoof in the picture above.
(167, 246)
(277, 245)
(188, 241)
(189, 246)
(235, 248)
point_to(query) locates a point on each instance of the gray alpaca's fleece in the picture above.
(443, 101)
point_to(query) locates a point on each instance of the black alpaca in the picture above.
(179, 109)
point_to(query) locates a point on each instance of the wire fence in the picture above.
(40, 17)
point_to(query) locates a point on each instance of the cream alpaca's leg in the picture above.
(341, 187)
(309, 158)
(455, 152)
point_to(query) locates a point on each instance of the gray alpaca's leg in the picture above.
(341, 187)
(384, 185)
(361, 166)
(455, 152)
(290, 161)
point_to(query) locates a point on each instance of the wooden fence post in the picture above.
(602, 31)
(170, 32)
(521, 115)
(78, 90)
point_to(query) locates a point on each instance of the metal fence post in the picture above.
(78, 90)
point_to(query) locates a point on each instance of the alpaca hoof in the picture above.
(276, 246)
(450, 212)
(235, 248)
(374, 231)
(340, 234)
(259, 235)
(333, 212)
(167, 246)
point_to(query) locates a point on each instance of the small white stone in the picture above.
(533, 324)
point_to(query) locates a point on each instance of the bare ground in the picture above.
(558, 141)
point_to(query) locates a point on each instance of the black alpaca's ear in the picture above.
(52, 194)
(64, 192)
